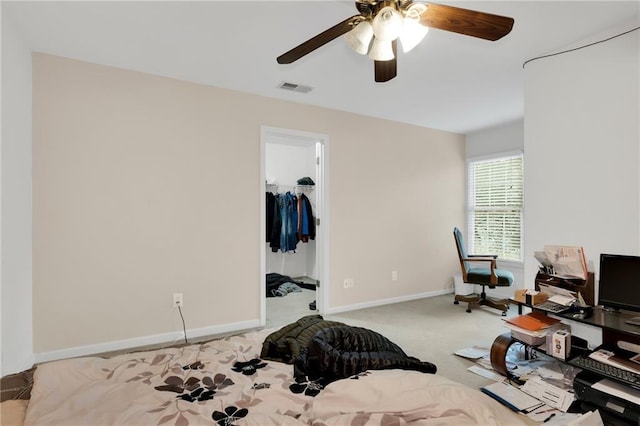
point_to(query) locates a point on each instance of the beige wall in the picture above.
(144, 186)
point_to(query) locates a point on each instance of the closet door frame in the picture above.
(268, 133)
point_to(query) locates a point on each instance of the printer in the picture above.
(616, 408)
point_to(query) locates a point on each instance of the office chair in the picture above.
(481, 270)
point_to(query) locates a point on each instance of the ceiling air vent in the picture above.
(295, 87)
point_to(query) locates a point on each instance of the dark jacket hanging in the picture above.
(289, 219)
(274, 239)
(307, 223)
(269, 212)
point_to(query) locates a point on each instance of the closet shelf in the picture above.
(276, 185)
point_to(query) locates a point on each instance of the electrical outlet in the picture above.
(177, 300)
(394, 275)
(347, 283)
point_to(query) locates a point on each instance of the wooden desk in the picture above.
(584, 287)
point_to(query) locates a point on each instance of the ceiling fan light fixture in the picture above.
(387, 24)
(388, 19)
(412, 33)
(359, 38)
(381, 50)
(412, 30)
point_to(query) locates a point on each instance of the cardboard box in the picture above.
(530, 297)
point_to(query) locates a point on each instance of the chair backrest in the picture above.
(462, 251)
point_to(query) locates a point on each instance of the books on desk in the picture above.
(532, 328)
(533, 321)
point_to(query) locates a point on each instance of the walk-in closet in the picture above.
(291, 207)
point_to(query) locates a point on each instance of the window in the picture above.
(495, 206)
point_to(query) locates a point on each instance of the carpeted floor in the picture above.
(430, 329)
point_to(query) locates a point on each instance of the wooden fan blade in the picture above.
(466, 21)
(386, 70)
(317, 41)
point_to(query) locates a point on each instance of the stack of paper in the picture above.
(590, 418)
(512, 397)
(531, 328)
(473, 353)
(548, 393)
(563, 261)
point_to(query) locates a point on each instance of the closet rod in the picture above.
(271, 185)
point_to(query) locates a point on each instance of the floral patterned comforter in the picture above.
(224, 382)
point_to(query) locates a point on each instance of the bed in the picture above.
(225, 382)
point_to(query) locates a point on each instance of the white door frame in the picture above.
(322, 212)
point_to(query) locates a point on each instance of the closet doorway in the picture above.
(293, 172)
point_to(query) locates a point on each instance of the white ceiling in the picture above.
(450, 81)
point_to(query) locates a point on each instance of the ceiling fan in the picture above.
(376, 29)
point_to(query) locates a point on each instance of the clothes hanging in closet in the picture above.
(269, 210)
(289, 219)
(306, 223)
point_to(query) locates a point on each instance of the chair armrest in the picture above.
(495, 256)
(492, 265)
(479, 259)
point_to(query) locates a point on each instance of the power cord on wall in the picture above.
(580, 47)
(184, 327)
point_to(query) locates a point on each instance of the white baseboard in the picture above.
(169, 338)
(381, 302)
(177, 336)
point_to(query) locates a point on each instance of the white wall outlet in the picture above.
(177, 300)
(394, 275)
(347, 283)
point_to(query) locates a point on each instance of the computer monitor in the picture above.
(619, 286)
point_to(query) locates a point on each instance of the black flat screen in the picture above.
(619, 286)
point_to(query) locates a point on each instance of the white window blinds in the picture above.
(495, 207)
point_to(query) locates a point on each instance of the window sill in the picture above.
(511, 264)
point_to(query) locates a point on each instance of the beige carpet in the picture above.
(430, 329)
(286, 309)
